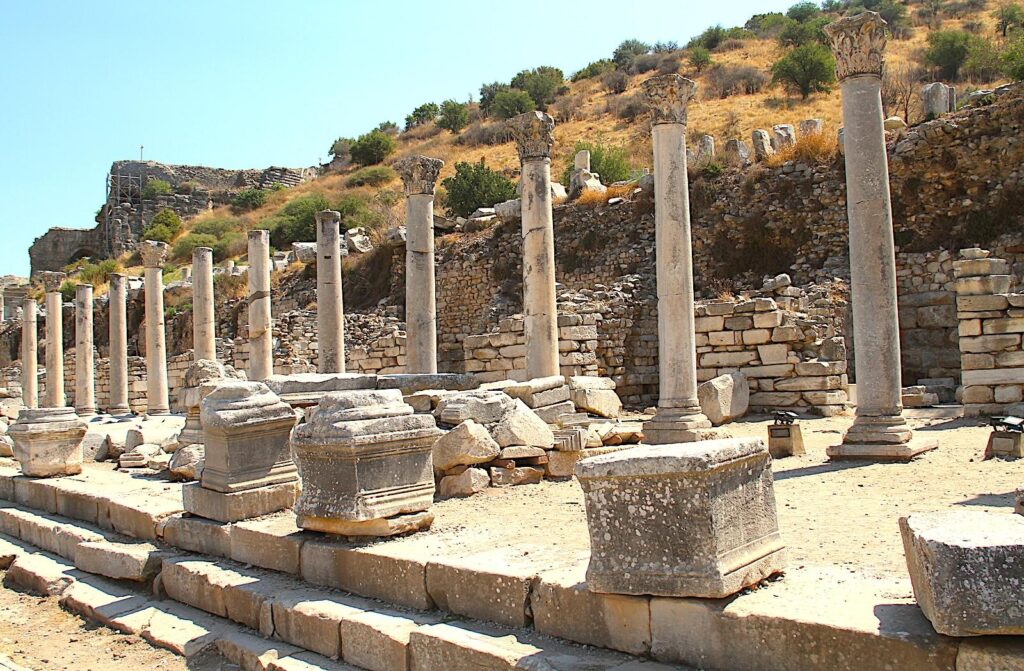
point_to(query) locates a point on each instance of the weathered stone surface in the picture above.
(485, 407)
(467, 444)
(600, 402)
(137, 562)
(724, 398)
(470, 481)
(48, 441)
(187, 462)
(197, 534)
(966, 570)
(661, 518)
(523, 475)
(521, 426)
(237, 506)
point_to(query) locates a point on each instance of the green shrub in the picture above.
(156, 187)
(509, 103)
(249, 199)
(796, 33)
(454, 116)
(475, 185)
(611, 162)
(295, 221)
(488, 93)
(984, 61)
(355, 211)
(947, 51)
(709, 39)
(67, 291)
(810, 68)
(615, 81)
(1012, 59)
(186, 244)
(373, 147)
(627, 50)
(541, 84)
(803, 11)
(591, 70)
(424, 113)
(217, 226)
(730, 80)
(164, 227)
(698, 58)
(232, 243)
(1008, 15)
(389, 127)
(95, 273)
(767, 25)
(372, 176)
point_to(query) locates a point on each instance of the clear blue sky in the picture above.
(249, 84)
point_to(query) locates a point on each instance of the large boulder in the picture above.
(522, 426)
(304, 252)
(358, 241)
(467, 444)
(724, 398)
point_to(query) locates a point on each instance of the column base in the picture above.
(381, 527)
(86, 412)
(238, 506)
(884, 438)
(677, 425)
(119, 412)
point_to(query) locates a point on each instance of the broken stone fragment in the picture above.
(523, 475)
(724, 398)
(467, 444)
(522, 426)
(187, 463)
(470, 481)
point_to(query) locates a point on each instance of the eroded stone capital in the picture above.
(419, 173)
(52, 280)
(858, 44)
(668, 97)
(328, 217)
(533, 133)
(153, 253)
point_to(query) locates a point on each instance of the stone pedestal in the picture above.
(879, 430)
(48, 442)
(85, 385)
(261, 324)
(248, 470)
(785, 441)
(118, 295)
(692, 520)
(204, 321)
(201, 378)
(1005, 445)
(153, 256)
(533, 135)
(330, 302)
(419, 175)
(365, 458)
(54, 397)
(29, 354)
(679, 418)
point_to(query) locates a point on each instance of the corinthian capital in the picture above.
(419, 173)
(153, 253)
(533, 133)
(668, 96)
(52, 281)
(858, 43)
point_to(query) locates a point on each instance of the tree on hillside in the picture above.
(488, 92)
(541, 83)
(1009, 15)
(373, 147)
(625, 52)
(803, 11)
(389, 127)
(474, 185)
(796, 33)
(698, 58)
(509, 103)
(340, 149)
(810, 68)
(423, 114)
(947, 51)
(454, 116)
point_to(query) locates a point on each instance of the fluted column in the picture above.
(330, 302)
(85, 383)
(204, 321)
(533, 133)
(153, 256)
(419, 176)
(54, 397)
(118, 295)
(261, 325)
(679, 418)
(879, 430)
(29, 354)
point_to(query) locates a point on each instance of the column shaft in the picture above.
(156, 345)
(118, 295)
(204, 321)
(85, 386)
(420, 300)
(261, 326)
(330, 305)
(55, 397)
(539, 307)
(29, 354)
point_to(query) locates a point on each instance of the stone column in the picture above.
(118, 295)
(419, 175)
(261, 324)
(533, 135)
(55, 397)
(3, 316)
(204, 322)
(29, 354)
(879, 429)
(679, 418)
(330, 302)
(153, 256)
(85, 384)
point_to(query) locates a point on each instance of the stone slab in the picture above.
(252, 653)
(273, 542)
(40, 574)
(991, 654)
(918, 445)
(197, 534)
(237, 506)
(138, 562)
(378, 528)
(309, 620)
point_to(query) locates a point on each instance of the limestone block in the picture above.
(808, 368)
(600, 402)
(982, 303)
(187, 462)
(138, 562)
(562, 464)
(979, 267)
(966, 570)
(522, 426)
(773, 354)
(724, 398)
(520, 475)
(762, 144)
(483, 406)
(774, 399)
(467, 444)
(980, 286)
(783, 135)
(662, 518)
(552, 413)
(989, 343)
(993, 377)
(990, 654)
(48, 441)
(470, 481)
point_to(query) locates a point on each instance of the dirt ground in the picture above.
(37, 634)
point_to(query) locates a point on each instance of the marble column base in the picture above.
(884, 438)
(383, 527)
(677, 425)
(238, 506)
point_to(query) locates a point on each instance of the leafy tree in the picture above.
(183, 248)
(810, 68)
(68, 290)
(593, 70)
(374, 175)
(488, 92)
(340, 148)
(454, 116)
(509, 103)
(666, 47)
(625, 52)
(699, 58)
(475, 185)
(609, 161)
(894, 13)
(796, 33)
(156, 187)
(296, 220)
(1013, 58)
(423, 114)
(947, 51)
(373, 147)
(983, 62)
(389, 127)
(709, 39)
(249, 199)
(1008, 15)
(163, 227)
(803, 11)
(541, 83)
(767, 24)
